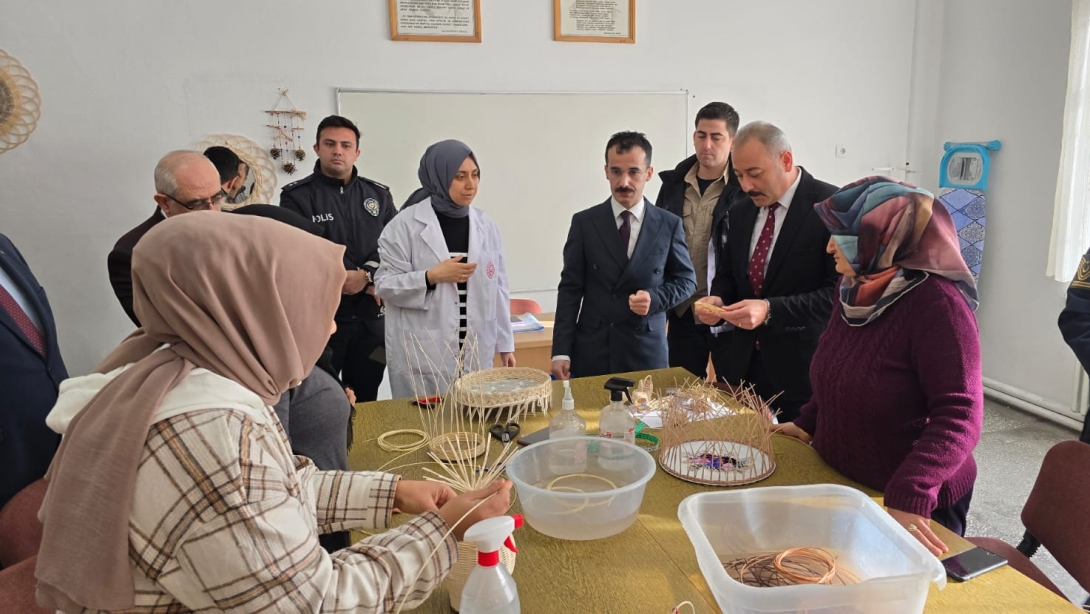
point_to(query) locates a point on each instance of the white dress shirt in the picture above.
(781, 213)
(636, 223)
(20, 299)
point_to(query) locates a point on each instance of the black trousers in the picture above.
(690, 345)
(764, 383)
(953, 517)
(353, 346)
(1085, 437)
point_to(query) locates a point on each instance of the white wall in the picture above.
(124, 82)
(1003, 75)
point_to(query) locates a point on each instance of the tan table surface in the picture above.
(534, 349)
(651, 566)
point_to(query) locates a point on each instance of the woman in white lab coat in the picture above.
(443, 279)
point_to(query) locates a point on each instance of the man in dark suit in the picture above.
(184, 181)
(625, 266)
(777, 289)
(31, 371)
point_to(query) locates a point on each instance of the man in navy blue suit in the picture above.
(31, 371)
(625, 265)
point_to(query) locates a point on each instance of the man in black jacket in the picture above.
(1075, 323)
(776, 286)
(699, 191)
(353, 210)
(185, 181)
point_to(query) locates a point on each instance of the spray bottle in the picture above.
(616, 420)
(570, 456)
(490, 588)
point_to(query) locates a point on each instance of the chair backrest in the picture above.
(520, 306)
(1057, 511)
(20, 530)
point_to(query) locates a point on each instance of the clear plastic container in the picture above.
(894, 570)
(597, 502)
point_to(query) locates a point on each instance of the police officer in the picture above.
(353, 210)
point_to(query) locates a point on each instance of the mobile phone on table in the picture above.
(972, 563)
(534, 437)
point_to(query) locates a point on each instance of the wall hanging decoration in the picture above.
(287, 124)
(20, 103)
(260, 169)
(963, 178)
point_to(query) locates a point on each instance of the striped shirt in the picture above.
(456, 234)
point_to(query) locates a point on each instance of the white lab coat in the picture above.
(411, 244)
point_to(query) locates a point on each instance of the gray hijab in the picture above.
(438, 166)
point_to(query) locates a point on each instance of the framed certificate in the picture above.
(450, 21)
(594, 21)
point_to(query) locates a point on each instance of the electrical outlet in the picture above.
(841, 151)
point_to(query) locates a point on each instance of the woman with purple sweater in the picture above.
(898, 399)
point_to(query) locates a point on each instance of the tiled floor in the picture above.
(1008, 457)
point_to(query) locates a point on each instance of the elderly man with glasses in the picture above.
(184, 181)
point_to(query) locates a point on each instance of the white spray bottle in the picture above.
(490, 588)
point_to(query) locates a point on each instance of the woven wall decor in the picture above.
(261, 183)
(20, 103)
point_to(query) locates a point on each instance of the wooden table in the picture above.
(535, 349)
(651, 566)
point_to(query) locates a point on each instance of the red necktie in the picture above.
(7, 301)
(760, 253)
(626, 229)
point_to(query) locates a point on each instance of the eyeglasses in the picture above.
(200, 204)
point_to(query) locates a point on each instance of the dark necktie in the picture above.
(626, 229)
(22, 320)
(760, 253)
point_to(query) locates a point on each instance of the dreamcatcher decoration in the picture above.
(287, 124)
(20, 104)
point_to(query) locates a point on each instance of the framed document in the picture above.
(451, 21)
(594, 21)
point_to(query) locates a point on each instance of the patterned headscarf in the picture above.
(894, 237)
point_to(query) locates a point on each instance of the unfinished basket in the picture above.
(456, 446)
(702, 446)
(467, 560)
(516, 391)
(462, 449)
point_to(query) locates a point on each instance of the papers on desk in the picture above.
(525, 323)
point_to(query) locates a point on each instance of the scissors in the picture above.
(504, 432)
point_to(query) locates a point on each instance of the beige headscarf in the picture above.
(248, 298)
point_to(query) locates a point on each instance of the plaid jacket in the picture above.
(226, 519)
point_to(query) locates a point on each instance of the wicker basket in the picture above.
(518, 391)
(467, 560)
(456, 446)
(727, 450)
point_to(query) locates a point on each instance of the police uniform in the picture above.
(352, 214)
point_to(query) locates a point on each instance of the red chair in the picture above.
(20, 539)
(1056, 515)
(520, 306)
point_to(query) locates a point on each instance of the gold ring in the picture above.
(912, 528)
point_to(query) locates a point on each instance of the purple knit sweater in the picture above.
(898, 403)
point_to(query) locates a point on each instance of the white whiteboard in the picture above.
(542, 156)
